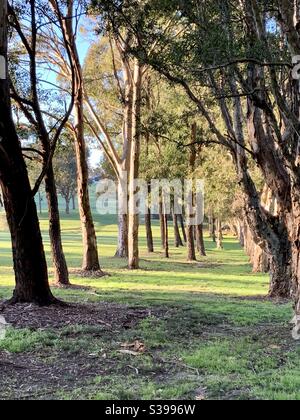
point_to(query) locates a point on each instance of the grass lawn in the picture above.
(208, 331)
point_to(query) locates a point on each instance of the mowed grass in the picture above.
(218, 338)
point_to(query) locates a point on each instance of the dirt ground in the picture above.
(35, 374)
(108, 315)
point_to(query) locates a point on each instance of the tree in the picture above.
(164, 126)
(68, 17)
(130, 90)
(30, 99)
(189, 60)
(30, 266)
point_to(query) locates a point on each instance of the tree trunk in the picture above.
(162, 225)
(150, 243)
(212, 229)
(219, 238)
(260, 260)
(133, 220)
(73, 203)
(90, 248)
(67, 205)
(190, 230)
(294, 235)
(183, 227)
(241, 233)
(200, 240)
(191, 243)
(281, 275)
(30, 266)
(122, 251)
(166, 230)
(177, 238)
(61, 274)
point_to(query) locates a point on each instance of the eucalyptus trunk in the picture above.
(122, 250)
(90, 249)
(133, 219)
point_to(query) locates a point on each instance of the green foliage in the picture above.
(65, 168)
(221, 188)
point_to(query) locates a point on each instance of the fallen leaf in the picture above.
(135, 347)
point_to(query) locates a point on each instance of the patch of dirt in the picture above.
(45, 374)
(34, 376)
(110, 315)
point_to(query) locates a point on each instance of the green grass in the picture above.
(217, 336)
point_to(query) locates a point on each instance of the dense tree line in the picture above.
(167, 89)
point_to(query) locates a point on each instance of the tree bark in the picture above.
(190, 230)
(122, 251)
(200, 240)
(67, 205)
(162, 224)
(241, 233)
(73, 203)
(219, 238)
(30, 265)
(190, 243)
(183, 227)
(133, 219)
(260, 260)
(166, 231)
(212, 224)
(90, 248)
(61, 274)
(177, 237)
(149, 234)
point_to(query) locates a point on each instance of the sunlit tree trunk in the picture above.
(122, 250)
(148, 223)
(182, 224)
(219, 238)
(90, 248)
(133, 219)
(200, 240)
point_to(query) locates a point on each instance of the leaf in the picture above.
(135, 347)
